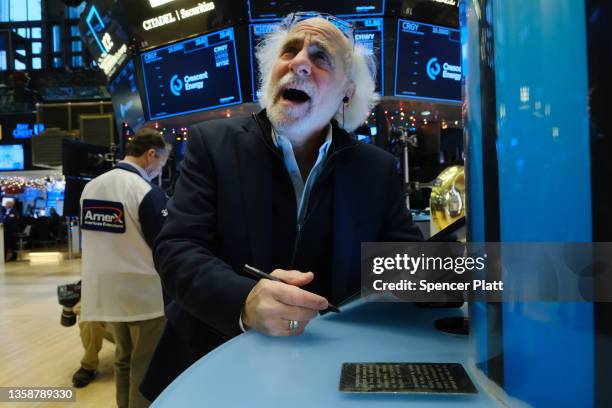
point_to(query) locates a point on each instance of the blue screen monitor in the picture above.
(273, 9)
(190, 76)
(428, 62)
(11, 157)
(368, 32)
(126, 98)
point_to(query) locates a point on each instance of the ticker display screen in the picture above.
(368, 32)
(274, 9)
(190, 76)
(428, 63)
(126, 99)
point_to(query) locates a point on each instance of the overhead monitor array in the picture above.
(156, 47)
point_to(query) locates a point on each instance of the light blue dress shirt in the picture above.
(302, 190)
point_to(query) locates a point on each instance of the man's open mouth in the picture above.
(295, 95)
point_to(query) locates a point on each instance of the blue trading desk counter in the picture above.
(304, 371)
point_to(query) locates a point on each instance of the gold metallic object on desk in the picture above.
(447, 200)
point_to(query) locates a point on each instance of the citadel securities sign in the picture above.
(154, 23)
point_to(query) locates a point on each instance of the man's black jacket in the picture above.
(219, 219)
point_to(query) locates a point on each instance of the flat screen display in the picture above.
(428, 63)
(191, 76)
(126, 98)
(273, 9)
(11, 157)
(368, 32)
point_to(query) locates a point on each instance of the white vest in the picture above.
(119, 281)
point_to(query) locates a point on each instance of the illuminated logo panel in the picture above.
(433, 69)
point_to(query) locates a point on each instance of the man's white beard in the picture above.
(316, 115)
(283, 119)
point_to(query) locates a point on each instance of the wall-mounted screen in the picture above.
(368, 32)
(190, 76)
(11, 157)
(272, 9)
(428, 62)
(126, 98)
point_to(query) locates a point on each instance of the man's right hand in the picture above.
(270, 305)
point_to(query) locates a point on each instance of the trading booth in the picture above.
(493, 128)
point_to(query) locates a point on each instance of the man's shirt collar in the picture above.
(141, 171)
(301, 187)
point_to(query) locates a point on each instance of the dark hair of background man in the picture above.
(144, 140)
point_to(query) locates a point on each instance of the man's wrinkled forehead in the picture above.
(321, 29)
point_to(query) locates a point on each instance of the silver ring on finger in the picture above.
(293, 325)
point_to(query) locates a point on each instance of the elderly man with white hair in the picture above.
(288, 191)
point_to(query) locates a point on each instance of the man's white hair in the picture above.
(361, 70)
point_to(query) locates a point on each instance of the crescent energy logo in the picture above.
(188, 83)
(433, 69)
(176, 85)
(449, 71)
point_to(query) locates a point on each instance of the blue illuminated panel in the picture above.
(191, 76)
(11, 157)
(428, 62)
(27, 131)
(545, 193)
(126, 99)
(368, 32)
